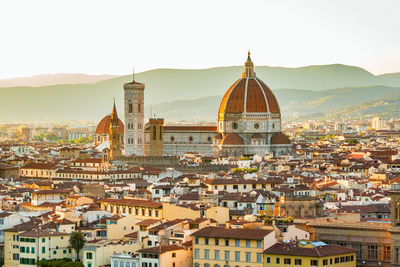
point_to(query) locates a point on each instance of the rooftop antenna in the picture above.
(133, 74)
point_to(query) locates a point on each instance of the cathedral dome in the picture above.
(280, 139)
(249, 94)
(232, 139)
(103, 128)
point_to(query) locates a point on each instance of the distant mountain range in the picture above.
(176, 94)
(53, 79)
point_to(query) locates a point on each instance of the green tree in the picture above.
(77, 240)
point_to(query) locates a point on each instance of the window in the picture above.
(372, 252)
(357, 246)
(336, 260)
(89, 255)
(237, 243)
(227, 242)
(174, 255)
(259, 257)
(196, 253)
(278, 260)
(248, 257)
(216, 241)
(314, 263)
(64, 251)
(130, 107)
(43, 249)
(386, 253)
(190, 138)
(237, 256)
(268, 259)
(247, 243)
(54, 252)
(227, 255)
(287, 261)
(205, 241)
(196, 240)
(235, 186)
(21, 249)
(325, 262)
(258, 244)
(216, 254)
(297, 262)
(32, 250)
(206, 254)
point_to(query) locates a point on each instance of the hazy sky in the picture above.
(98, 37)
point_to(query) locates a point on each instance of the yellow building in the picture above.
(117, 228)
(140, 208)
(146, 209)
(38, 170)
(39, 185)
(77, 201)
(166, 256)
(24, 248)
(238, 247)
(97, 253)
(309, 254)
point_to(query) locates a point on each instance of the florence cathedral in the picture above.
(249, 123)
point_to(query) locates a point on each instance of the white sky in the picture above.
(98, 36)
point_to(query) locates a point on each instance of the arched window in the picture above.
(172, 139)
(130, 106)
(190, 138)
(115, 264)
(127, 264)
(121, 264)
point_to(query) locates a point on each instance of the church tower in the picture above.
(115, 139)
(134, 118)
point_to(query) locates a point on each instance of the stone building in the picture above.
(249, 122)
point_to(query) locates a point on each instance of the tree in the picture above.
(77, 241)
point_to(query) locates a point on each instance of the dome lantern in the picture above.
(248, 67)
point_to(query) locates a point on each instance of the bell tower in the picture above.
(134, 118)
(115, 139)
